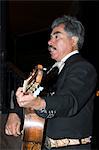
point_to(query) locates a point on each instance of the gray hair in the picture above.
(72, 26)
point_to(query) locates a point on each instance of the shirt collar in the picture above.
(61, 63)
(68, 55)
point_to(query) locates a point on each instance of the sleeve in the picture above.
(18, 110)
(75, 88)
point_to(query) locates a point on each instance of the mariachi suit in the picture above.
(69, 110)
(71, 105)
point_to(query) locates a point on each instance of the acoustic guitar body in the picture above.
(33, 131)
(33, 124)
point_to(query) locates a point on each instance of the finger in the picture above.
(11, 130)
(19, 90)
(20, 99)
(18, 129)
(20, 95)
(14, 130)
(8, 131)
(23, 104)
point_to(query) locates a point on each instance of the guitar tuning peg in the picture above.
(44, 69)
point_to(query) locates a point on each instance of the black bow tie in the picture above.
(53, 71)
(50, 77)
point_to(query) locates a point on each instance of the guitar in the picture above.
(33, 127)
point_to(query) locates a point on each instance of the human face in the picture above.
(60, 43)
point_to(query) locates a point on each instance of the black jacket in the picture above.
(72, 103)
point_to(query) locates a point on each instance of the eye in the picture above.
(56, 36)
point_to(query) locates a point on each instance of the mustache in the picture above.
(51, 48)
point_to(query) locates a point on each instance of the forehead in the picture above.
(58, 29)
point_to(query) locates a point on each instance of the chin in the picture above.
(53, 57)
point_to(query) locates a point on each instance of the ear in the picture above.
(74, 40)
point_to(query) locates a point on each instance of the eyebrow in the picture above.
(57, 32)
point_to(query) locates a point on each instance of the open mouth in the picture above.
(51, 48)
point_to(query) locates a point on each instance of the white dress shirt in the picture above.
(60, 64)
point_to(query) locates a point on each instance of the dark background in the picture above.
(25, 28)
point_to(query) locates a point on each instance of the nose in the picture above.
(50, 42)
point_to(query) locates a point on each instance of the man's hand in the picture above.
(12, 126)
(27, 100)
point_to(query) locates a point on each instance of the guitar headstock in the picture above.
(32, 83)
